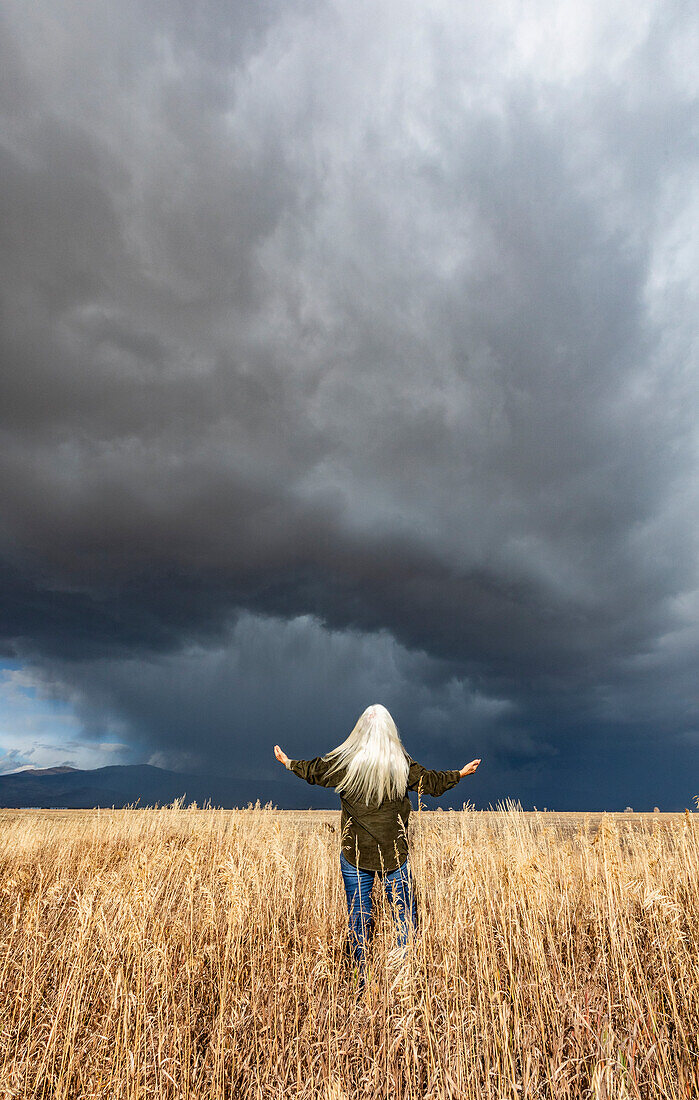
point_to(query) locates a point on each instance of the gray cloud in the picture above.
(379, 317)
(279, 678)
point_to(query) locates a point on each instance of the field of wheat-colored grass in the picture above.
(183, 952)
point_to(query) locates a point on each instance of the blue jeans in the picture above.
(400, 894)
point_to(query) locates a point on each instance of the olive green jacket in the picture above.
(375, 838)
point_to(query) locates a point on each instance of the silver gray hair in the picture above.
(376, 763)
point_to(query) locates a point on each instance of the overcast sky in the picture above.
(349, 356)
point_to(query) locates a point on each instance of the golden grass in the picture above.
(200, 953)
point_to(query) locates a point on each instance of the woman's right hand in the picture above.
(281, 756)
(469, 769)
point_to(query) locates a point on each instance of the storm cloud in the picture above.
(349, 355)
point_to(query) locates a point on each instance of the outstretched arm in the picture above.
(314, 771)
(436, 783)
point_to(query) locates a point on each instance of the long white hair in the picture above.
(376, 763)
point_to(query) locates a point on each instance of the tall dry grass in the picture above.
(200, 953)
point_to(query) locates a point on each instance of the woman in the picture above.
(372, 772)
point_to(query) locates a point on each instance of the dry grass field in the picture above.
(200, 953)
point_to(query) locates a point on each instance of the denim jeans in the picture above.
(400, 894)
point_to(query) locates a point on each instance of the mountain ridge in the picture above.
(121, 785)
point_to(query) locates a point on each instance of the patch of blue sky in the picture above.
(38, 730)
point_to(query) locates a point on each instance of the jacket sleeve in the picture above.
(434, 783)
(316, 770)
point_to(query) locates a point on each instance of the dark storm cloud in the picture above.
(279, 678)
(382, 317)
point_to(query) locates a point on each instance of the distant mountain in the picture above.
(43, 771)
(122, 785)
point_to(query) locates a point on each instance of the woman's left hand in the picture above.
(469, 769)
(281, 756)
